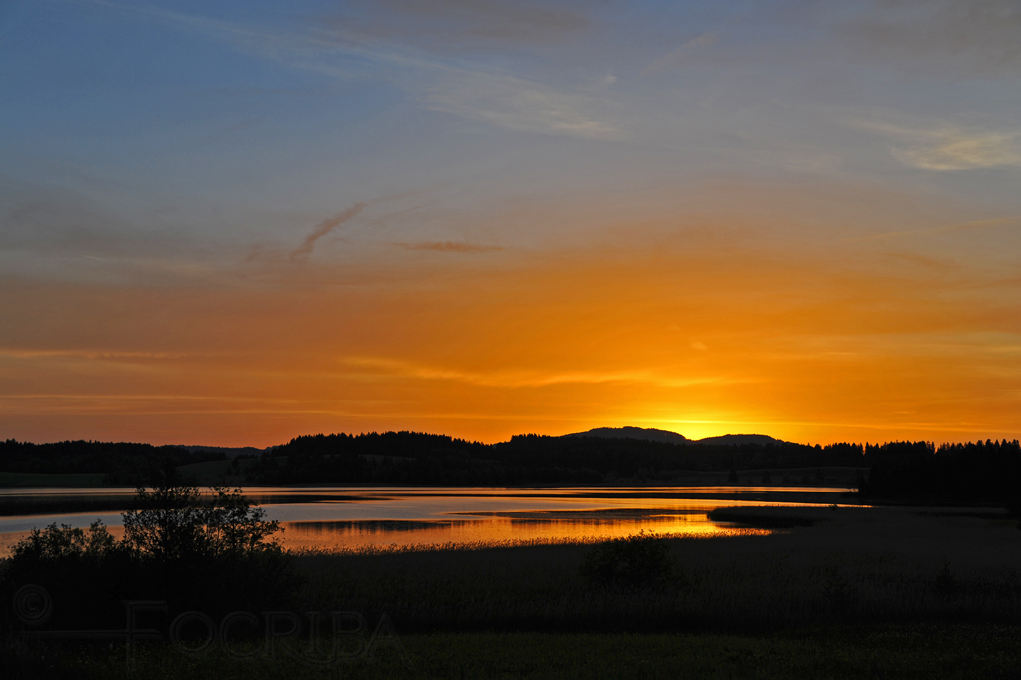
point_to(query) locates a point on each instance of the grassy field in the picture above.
(216, 472)
(959, 651)
(27, 479)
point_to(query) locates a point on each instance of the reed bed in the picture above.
(471, 546)
(854, 565)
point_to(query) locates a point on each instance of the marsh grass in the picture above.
(637, 562)
(448, 547)
(857, 565)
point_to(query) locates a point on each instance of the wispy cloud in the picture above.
(683, 53)
(523, 379)
(519, 105)
(946, 147)
(463, 88)
(325, 227)
(448, 247)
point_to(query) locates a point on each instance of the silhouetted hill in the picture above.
(643, 433)
(230, 451)
(668, 437)
(738, 440)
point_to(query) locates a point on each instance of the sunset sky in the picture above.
(233, 223)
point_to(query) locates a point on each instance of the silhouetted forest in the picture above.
(414, 458)
(122, 463)
(972, 472)
(980, 472)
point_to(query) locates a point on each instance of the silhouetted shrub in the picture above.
(636, 561)
(214, 556)
(84, 573)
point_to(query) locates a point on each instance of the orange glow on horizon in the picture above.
(702, 342)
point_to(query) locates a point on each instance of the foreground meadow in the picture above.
(852, 565)
(915, 651)
(843, 593)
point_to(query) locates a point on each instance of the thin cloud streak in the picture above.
(519, 105)
(85, 354)
(448, 247)
(521, 379)
(683, 53)
(945, 147)
(325, 227)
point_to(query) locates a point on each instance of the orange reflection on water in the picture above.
(331, 518)
(497, 530)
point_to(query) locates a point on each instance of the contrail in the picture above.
(325, 227)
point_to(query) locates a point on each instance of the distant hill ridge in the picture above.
(654, 435)
(229, 451)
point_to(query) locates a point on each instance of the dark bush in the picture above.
(633, 562)
(213, 556)
(85, 572)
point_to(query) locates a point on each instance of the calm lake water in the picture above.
(355, 517)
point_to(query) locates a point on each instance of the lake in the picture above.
(335, 517)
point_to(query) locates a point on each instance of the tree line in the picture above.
(121, 463)
(984, 472)
(974, 472)
(418, 458)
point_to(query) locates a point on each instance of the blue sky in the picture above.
(279, 114)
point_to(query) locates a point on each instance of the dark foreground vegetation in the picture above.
(858, 566)
(847, 592)
(213, 553)
(918, 651)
